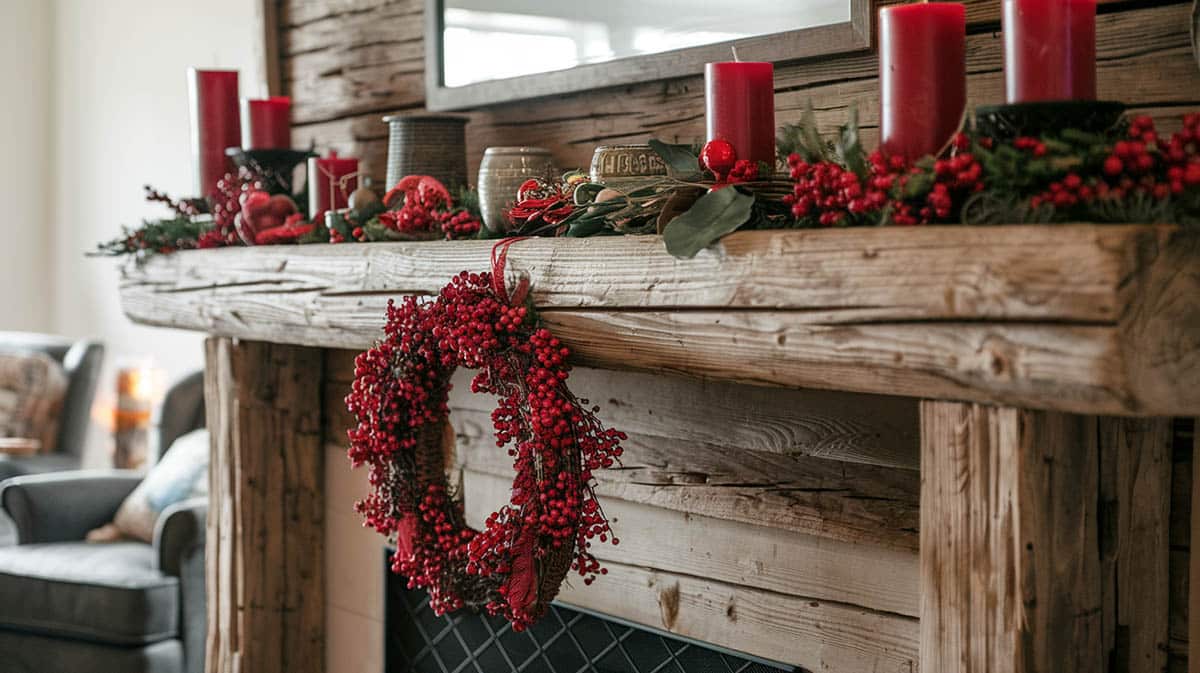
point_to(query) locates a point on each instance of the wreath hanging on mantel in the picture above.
(515, 565)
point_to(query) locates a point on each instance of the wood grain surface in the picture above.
(1084, 318)
(264, 556)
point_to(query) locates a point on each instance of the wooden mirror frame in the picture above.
(837, 38)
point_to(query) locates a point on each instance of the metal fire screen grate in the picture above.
(565, 641)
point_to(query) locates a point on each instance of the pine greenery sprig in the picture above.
(154, 237)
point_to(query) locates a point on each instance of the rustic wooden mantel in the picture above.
(1049, 360)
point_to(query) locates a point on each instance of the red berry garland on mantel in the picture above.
(515, 565)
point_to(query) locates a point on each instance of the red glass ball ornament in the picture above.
(719, 157)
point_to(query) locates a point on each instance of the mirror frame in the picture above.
(836, 38)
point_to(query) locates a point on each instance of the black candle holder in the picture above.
(277, 168)
(1005, 122)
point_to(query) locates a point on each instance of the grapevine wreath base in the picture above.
(514, 566)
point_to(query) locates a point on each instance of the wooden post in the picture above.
(1134, 517)
(1043, 541)
(1194, 560)
(265, 556)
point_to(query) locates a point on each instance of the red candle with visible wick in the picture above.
(213, 95)
(266, 123)
(922, 76)
(1049, 50)
(739, 105)
(331, 179)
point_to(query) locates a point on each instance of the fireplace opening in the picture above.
(566, 640)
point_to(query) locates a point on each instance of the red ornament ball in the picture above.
(719, 157)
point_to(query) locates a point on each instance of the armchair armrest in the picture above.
(179, 533)
(64, 506)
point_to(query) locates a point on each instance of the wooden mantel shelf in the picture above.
(1082, 318)
(1045, 530)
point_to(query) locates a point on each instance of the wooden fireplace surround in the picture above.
(1031, 372)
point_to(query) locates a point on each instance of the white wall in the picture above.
(110, 78)
(25, 277)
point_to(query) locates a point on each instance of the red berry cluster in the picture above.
(425, 207)
(1140, 164)
(744, 171)
(182, 207)
(831, 194)
(1146, 163)
(399, 397)
(225, 203)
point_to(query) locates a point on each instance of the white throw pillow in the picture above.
(180, 474)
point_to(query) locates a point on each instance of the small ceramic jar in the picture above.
(501, 172)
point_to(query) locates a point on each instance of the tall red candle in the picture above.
(266, 123)
(922, 75)
(213, 95)
(331, 179)
(1049, 50)
(739, 104)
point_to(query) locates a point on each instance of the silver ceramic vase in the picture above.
(501, 172)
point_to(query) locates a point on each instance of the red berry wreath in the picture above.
(515, 565)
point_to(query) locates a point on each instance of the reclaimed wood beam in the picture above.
(1100, 319)
(1044, 541)
(265, 553)
(1010, 562)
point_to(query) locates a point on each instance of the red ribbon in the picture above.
(499, 261)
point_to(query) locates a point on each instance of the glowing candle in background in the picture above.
(1049, 50)
(922, 75)
(213, 98)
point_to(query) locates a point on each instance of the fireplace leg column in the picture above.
(1044, 541)
(265, 547)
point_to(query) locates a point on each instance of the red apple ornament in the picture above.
(719, 157)
(260, 212)
(288, 232)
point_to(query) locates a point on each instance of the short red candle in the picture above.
(922, 76)
(739, 103)
(213, 95)
(1049, 50)
(266, 123)
(326, 187)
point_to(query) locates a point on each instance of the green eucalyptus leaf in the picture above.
(679, 158)
(714, 215)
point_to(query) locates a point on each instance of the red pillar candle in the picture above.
(331, 179)
(266, 123)
(1049, 50)
(213, 95)
(922, 76)
(739, 104)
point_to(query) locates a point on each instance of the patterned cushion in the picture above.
(32, 388)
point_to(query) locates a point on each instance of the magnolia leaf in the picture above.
(586, 193)
(679, 158)
(715, 214)
(585, 226)
(677, 204)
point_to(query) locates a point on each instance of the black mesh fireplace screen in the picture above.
(565, 641)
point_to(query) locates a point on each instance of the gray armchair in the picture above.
(77, 607)
(82, 361)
